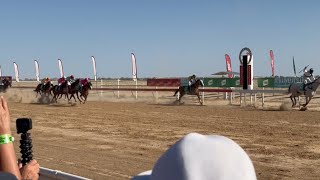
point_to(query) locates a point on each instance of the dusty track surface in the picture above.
(117, 140)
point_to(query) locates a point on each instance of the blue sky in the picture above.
(169, 37)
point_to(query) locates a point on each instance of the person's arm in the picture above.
(8, 160)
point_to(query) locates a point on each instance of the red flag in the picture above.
(272, 62)
(228, 65)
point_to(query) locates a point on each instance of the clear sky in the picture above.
(169, 37)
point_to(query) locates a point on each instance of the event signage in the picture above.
(278, 82)
(222, 82)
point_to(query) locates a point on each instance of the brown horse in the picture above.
(194, 90)
(84, 92)
(5, 85)
(74, 89)
(63, 89)
(44, 89)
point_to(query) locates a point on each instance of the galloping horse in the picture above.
(63, 89)
(194, 90)
(46, 89)
(5, 85)
(295, 89)
(84, 92)
(74, 89)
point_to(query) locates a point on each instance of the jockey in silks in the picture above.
(308, 77)
(44, 81)
(83, 82)
(61, 81)
(192, 80)
(70, 79)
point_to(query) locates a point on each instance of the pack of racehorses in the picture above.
(69, 90)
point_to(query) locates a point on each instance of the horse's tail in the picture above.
(289, 89)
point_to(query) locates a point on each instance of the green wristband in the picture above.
(6, 138)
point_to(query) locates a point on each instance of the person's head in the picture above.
(71, 77)
(87, 79)
(194, 76)
(47, 78)
(311, 70)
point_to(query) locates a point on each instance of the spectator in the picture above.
(8, 160)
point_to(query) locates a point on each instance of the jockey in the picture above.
(192, 80)
(70, 79)
(44, 81)
(61, 80)
(83, 82)
(308, 77)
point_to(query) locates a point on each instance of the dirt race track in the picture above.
(117, 140)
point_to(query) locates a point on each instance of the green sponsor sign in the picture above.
(266, 82)
(278, 82)
(284, 82)
(222, 82)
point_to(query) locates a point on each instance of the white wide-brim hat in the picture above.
(200, 157)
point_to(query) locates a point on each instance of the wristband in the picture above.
(6, 138)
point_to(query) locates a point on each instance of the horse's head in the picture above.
(75, 83)
(198, 83)
(90, 85)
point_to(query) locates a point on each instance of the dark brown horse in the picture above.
(194, 90)
(84, 92)
(63, 89)
(5, 85)
(44, 89)
(74, 89)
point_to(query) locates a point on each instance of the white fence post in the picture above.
(157, 95)
(262, 98)
(118, 88)
(136, 88)
(202, 95)
(101, 87)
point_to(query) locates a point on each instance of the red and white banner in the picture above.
(37, 70)
(228, 65)
(94, 68)
(60, 68)
(134, 67)
(16, 71)
(272, 62)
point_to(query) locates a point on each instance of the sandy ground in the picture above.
(108, 138)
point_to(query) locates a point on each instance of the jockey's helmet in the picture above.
(47, 78)
(311, 70)
(71, 77)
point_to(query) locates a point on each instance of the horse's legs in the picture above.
(292, 101)
(54, 98)
(181, 95)
(308, 99)
(78, 97)
(199, 98)
(85, 98)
